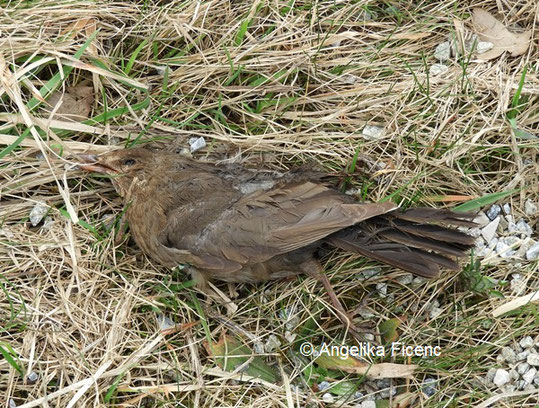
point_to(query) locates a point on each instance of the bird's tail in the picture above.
(416, 240)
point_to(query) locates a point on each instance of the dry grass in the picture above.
(80, 310)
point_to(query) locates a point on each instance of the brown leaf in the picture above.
(490, 29)
(76, 103)
(350, 364)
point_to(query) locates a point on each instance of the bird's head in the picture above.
(124, 166)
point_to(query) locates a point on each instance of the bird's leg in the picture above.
(314, 269)
(232, 292)
(211, 291)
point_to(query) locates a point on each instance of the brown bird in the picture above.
(234, 224)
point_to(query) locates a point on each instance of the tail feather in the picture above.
(414, 240)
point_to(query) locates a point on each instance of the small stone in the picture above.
(506, 209)
(196, 143)
(48, 222)
(536, 381)
(437, 69)
(526, 342)
(369, 336)
(388, 392)
(368, 404)
(512, 228)
(289, 336)
(481, 219)
(514, 374)
(474, 232)
(358, 395)
(529, 387)
(489, 231)
(530, 208)
(328, 398)
(524, 246)
(518, 285)
(503, 249)
(522, 368)
(524, 228)
(12, 403)
(484, 46)
(435, 312)
(509, 355)
(508, 388)
(502, 226)
(272, 344)
(164, 322)
(38, 212)
(429, 386)
(418, 280)
(523, 355)
(405, 279)
(494, 211)
(533, 253)
(324, 385)
(366, 313)
(501, 377)
(490, 374)
(32, 377)
(529, 375)
(372, 132)
(533, 359)
(443, 51)
(382, 289)
(369, 273)
(521, 384)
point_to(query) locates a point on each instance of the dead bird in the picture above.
(234, 224)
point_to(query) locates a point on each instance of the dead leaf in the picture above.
(350, 364)
(75, 104)
(489, 29)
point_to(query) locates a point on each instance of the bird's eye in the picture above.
(129, 162)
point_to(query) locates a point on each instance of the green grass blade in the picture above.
(133, 58)
(485, 200)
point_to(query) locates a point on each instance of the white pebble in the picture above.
(503, 250)
(372, 132)
(327, 397)
(382, 289)
(509, 355)
(481, 219)
(164, 322)
(530, 208)
(368, 404)
(405, 279)
(324, 385)
(507, 208)
(526, 342)
(524, 228)
(489, 231)
(38, 212)
(533, 359)
(196, 143)
(443, 51)
(501, 377)
(522, 368)
(529, 375)
(438, 69)
(533, 253)
(518, 285)
(272, 344)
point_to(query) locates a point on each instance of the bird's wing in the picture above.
(264, 224)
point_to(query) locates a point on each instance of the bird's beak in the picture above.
(90, 162)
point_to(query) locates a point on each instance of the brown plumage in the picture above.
(238, 225)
